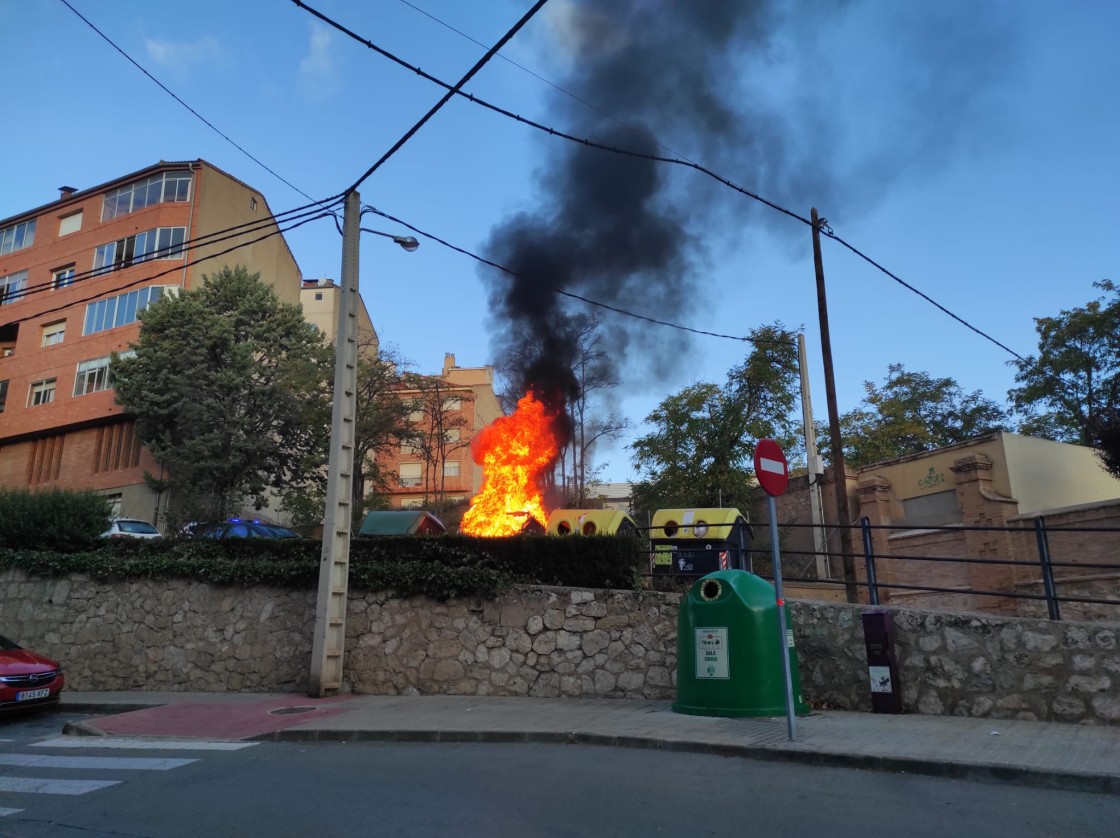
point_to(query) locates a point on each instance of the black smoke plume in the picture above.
(726, 82)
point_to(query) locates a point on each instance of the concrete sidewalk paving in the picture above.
(1081, 757)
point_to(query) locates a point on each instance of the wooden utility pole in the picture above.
(839, 473)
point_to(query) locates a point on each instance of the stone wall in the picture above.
(168, 634)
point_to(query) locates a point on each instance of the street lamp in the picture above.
(334, 569)
(408, 243)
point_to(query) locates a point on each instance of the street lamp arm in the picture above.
(409, 243)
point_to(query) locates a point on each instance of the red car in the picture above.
(27, 679)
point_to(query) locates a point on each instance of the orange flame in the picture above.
(514, 452)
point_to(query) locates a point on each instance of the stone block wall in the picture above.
(170, 634)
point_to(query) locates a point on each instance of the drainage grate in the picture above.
(287, 711)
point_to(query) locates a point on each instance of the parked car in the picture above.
(240, 529)
(131, 528)
(27, 679)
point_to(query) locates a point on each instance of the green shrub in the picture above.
(438, 567)
(52, 519)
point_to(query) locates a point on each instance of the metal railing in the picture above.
(1044, 560)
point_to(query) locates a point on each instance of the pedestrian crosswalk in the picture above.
(58, 758)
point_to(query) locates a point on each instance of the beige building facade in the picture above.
(471, 404)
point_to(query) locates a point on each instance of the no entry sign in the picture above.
(770, 467)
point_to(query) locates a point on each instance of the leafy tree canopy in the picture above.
(909, 413)
(1070, 390)
(700, 449)
(229, 388)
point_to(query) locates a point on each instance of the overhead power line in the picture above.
(642, 155)
(168, 91)
(217, 237)
(452, 90)
(173, 269)
(561, 291)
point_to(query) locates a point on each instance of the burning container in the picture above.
(590, 522)
(695, 542)
(404, 522)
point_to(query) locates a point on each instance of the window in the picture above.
(452, 435)
(70, 223)
(412, 503)
(253, 203)
(161, 188)
(17, 236)
(11, 287)
(42, 392)
(3, 395)
(318, 295)
(453, 404)
(450, 468)
(409, 448)
(416, 410)
(114, 505)
(410, 474)
(92, 376)
(122, 309)
(61, 277)
(160, 243)
(54, 333)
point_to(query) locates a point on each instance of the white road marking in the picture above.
(142, 744)
(38, 785)
(107, 763)
(5, 812)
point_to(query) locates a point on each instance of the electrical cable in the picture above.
(641, 155)
(546, 129)
(166, 90)
(541, 78)
(217, 237)
(452, 90)
(564, 293)
(173, 269)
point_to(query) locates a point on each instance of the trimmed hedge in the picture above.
(52, 519)
(441, 567)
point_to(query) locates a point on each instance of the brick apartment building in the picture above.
(74, 275)
(471, 405)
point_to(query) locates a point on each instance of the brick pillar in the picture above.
(982, 506)
(875, 504)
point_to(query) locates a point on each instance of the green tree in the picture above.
(1070, 390)
(381, 424)
(229, 388)
(700, 450)
(909, 413)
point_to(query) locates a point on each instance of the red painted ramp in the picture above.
(232, 720)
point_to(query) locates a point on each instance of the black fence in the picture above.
(797, 563)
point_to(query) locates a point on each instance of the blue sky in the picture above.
(969, 148)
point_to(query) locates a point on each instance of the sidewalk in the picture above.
(1079, 757)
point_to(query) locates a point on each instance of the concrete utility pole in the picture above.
(815, 469)
(334, 568)
(838, 471)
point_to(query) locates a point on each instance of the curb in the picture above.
(990, 773)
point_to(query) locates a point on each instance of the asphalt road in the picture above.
(76, 786)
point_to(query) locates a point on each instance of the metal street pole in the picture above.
(334, 567)
(838, 471)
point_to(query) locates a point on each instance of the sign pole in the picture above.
(791, 723)
(771, 468)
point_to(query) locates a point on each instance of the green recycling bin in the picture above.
(728, 654)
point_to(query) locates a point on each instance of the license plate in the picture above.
(30, 695)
